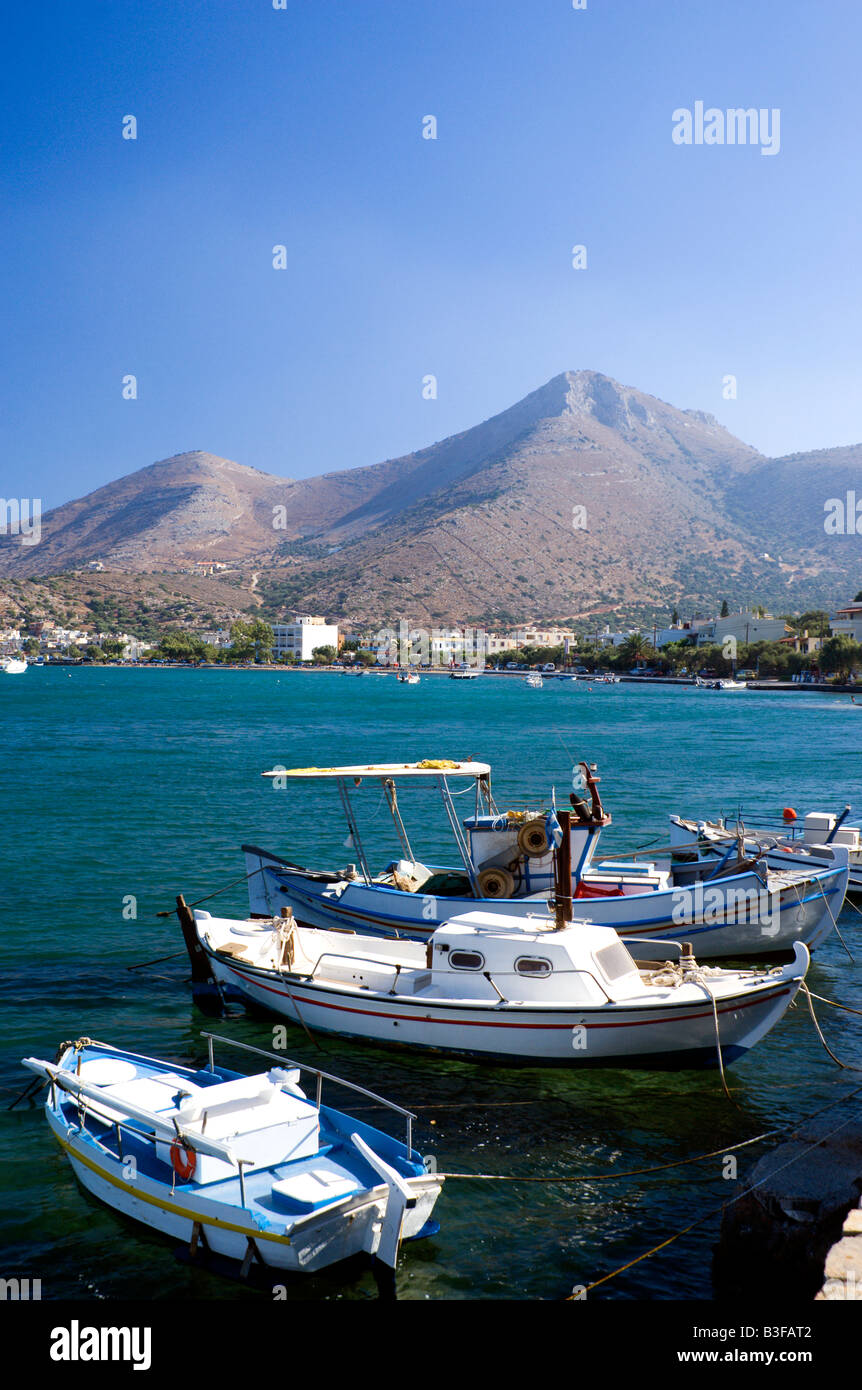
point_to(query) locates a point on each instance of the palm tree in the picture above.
(635, 647)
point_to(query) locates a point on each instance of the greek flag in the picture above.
(553, 829)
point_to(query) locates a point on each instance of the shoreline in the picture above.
(810, 687)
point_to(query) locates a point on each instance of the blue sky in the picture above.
(407, 256)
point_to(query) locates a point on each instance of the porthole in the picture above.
(466, 960)
(533, 965)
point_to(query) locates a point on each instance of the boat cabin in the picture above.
(819, 827)
(578, 963)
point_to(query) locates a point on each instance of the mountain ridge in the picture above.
(584, 492)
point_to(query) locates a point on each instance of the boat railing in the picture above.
(321, 1076)
(357, 961)
(517, 975)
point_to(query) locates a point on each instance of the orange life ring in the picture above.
(184, 1160)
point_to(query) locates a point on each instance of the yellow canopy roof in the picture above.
(429, 767)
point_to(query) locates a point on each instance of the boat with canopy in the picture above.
(737, 907)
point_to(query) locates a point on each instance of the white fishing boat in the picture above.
(811, 846)
(12, 666)
(482, 986)
(244, 1166)
(508, 866)
(465, 674)
(534, 682)
(722, 683)
(410, 678)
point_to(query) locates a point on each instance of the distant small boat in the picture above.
(411, 679)
(13, 667)
(535, 682)
(720, 684)
(464, 675)
(244, 1166)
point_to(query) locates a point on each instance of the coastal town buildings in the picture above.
(743, 627)
(848, 620)
(303, 636)
(533, 636)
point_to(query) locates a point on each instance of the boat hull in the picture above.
(727, 920)
(671, 1035)
(301, 1231)
(350, 1229)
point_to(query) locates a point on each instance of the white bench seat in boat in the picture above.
(262, 1124)
(107, 1071)
(316, 1187)
(157, 1094)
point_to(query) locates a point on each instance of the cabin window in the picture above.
(466, 960)
(614, 960)
(533, 965)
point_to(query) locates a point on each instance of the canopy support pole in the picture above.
(392, 798)
(353, 828)
(458, 833)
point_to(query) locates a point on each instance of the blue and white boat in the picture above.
(742, 908)
(504, 855)
(818, 843)
(246, 1167)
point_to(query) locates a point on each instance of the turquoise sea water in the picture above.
(121, 784)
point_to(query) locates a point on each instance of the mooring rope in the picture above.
(244, 879)
(847, 1066)
(848, 902)
(828, 906)
(846, 1007)
(715, 1211)
(612, 1177)
(705, 987)
(284, 945)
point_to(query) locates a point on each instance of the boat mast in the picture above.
(563, 872)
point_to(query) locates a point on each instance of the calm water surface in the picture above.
(135, 784)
